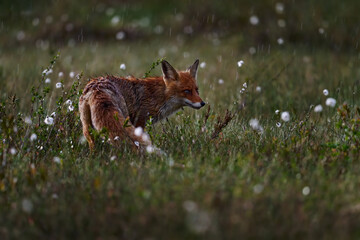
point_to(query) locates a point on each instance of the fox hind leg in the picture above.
(85, 116)
(106, 115)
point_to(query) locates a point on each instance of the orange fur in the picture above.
(107, 102)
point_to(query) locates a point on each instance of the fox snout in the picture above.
(196, 105)
(199, 105)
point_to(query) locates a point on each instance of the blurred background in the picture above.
(46, 24)
(96, 37)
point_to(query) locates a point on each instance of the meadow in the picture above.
(260, 160)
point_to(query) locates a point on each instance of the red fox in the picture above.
(122, 105)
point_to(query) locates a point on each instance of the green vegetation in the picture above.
(257, 177)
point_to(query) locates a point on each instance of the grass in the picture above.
(299, 180)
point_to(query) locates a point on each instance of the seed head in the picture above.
(49, 120)
(285, 116)
(318, 108)
(331, 102)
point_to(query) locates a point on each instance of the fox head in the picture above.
(182, 85)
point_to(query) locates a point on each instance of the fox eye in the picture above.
(187, 91)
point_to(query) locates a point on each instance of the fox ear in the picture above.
(169, 73)
(193, 69)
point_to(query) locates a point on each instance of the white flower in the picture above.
(27, 205)
(120, 35)
(277, 111)
(150, 149)
(179, 17)
(258, 89)
(278, 124)
(35, 21)
(61, 74)
(326, 92)
(254, 124)
(58, 85)
(112, 158)
(53, 114)
(82, 140)
(71, 108)
(245, 85)
(28, 120)
(285, 116)
(116, 138)
(281, 23)
(171, 162)
(137, 143)
(47, 80)
(138, 131)
(279, 7)
(254, 20)
(49, 19)
(13, 151)
(47, 71)
(57, 160)
(49, 121)
(280, 41)
(162, 51)
(158, 29)
(122, 66)
(252, 50)
(68, 102)
(258, 188)
(240, 63)
(33, 137)
(306, 191)
(203, 64)
(190, 206)
(318, 108)
(221, 81)
(72, 74)
(115, 20)
(331, 102)
(145, 137)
